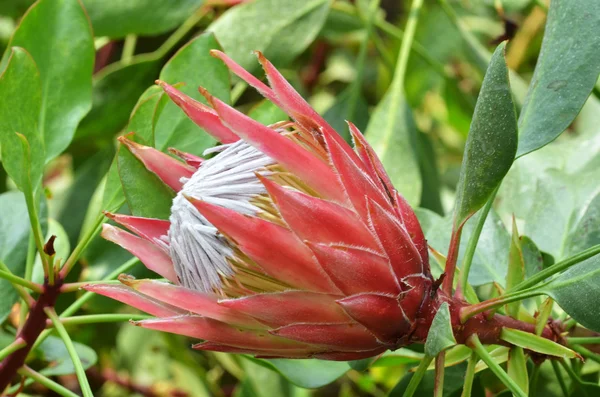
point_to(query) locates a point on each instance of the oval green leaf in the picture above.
(440, 336)
(118, 18)
(58, 35)
(492, 141)
(577, 291)
(565, 74)
(195, 67)
(281, 29)
(21, 94)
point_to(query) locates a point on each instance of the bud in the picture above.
(286, 243)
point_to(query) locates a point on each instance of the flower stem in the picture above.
(62, 332)
(29, 333)
(474, 343)
(451, 259)
(561, 381)
(417, 377)
(362, 56)
(102, 318)
(584, 340)
(7, 275)
(438, 387)
(469, 376)
(472, 245)
(86, 297)
(407, 40)
(557, 268)
(49, 383)
(14, 346)
(471, 310)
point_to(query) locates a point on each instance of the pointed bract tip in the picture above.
(128, 280)
(217, 54)
(209, 98)
(108, 214)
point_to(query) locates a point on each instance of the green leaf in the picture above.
(116, 91)
(565, 74)
(307, 373)
(14, 238)
(516, 269)
(440, 336)
(532, 257)
(142, 124)
(20, 104)
(345, 103)
(143, 116)
(113, 196)
(585, 232)
(58, 35)
(535, 343)
(517, 368)
(577, 291)
(54, 351)
(146, 195)
(392, 133)
(267, 113)
(195, 67)
(493, 244)
(491, 144)
(281, 29)
(117, 18)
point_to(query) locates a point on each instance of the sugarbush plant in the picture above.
(293, 198)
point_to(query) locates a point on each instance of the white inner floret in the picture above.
(199, 253)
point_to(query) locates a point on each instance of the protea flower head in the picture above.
(286, 243)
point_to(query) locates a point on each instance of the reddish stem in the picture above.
(451, 259)
(487, 328)
(33, 327)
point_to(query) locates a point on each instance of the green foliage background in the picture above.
(75, 75)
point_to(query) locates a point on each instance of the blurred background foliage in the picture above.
(341, 56)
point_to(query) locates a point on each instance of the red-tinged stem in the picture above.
(487, 327)
(451, 259)
(33, 327)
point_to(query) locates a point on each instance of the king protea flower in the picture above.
(287, 243)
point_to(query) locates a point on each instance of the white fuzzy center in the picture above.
(198, 251)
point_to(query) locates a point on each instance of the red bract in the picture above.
(288, 243)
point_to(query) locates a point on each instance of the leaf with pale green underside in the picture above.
(392, 132)
(118, 18)
(281, 29)
(532, 257)
(516, 269)
(193, 66)
(20, 103)
(440, 336)
(58, 35)
(577, 291)
(492, 142)
(565, 74)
